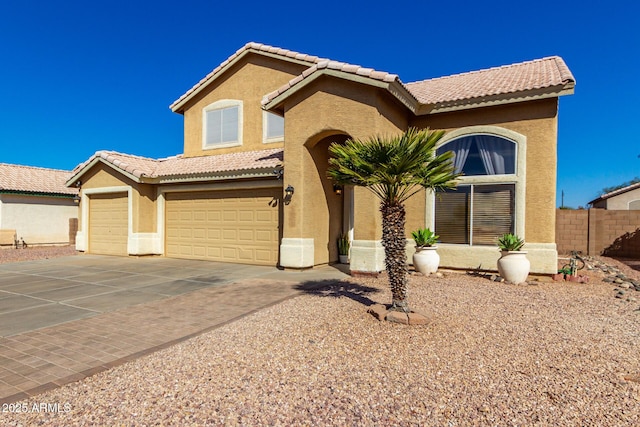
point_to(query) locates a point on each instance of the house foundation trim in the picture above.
(543, 256)
(367, 256)
(296, 252)
(144, 244)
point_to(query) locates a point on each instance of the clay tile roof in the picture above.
(249, 46)
(524, 76)
(331, 65)
(246, 160)
(180, 166)
(135, 165)
(34, 180)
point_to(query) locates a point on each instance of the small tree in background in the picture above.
(394, 169)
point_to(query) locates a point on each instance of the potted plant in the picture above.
(425, 260)
(513, 265)
(343, 248)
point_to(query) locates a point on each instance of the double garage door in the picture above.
(240, 226)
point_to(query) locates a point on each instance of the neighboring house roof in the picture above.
(34, 180)
(615, 193)
(248, 164)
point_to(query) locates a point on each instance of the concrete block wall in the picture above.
(598, 232)
(572, 230)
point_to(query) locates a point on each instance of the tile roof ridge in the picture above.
(330, 64)
(565, 73)
(33, 167)
(218, 156)
(560, 64)
(117, 153)
(259, 47)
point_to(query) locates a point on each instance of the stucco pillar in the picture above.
(296, 247)
(367, 252)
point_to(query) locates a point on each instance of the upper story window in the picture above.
(222, 124)
(273, 127)
(482, 155)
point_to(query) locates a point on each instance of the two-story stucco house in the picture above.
(251, 185)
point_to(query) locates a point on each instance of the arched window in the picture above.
(482, 155)
(483, 206)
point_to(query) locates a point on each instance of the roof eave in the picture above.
(615, 193)
(37, 193)
(215, 176)
(501, 99)
(396, 88)
(76, 176)
(178, 105)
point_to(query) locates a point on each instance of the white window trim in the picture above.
(519, 178)
(219, 105)
(631, 202)
(82, 239)
(265, 138)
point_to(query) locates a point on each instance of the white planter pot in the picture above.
(514, 266)
(344, 259)
(426, 260)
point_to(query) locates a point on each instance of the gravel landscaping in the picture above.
(547, 353)
(35, 253)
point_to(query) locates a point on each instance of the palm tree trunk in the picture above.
(394, 242)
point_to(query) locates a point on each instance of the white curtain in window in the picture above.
(460, 148)
(491, 155)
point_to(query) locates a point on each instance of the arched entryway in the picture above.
(331, 207)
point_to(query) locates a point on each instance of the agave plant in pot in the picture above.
(425, 260)
(513, 265)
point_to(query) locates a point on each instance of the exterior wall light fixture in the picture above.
(337, 189)
(289, 191)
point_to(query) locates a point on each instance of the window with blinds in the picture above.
(475, 214)
(222, 124)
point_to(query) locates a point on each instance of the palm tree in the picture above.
(394, 169)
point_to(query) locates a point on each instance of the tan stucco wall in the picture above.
(249, 80)
(538, 122)
(621, 201)
(415, 209)
(37, 219)
(143, 196)
(331, 109)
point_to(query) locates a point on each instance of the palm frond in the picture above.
(393, 168)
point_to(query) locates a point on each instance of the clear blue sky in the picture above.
(81, 76)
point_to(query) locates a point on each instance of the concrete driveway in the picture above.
(67, 318)
(43, 293)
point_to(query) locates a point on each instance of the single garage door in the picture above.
(239, 226)
(108, 224)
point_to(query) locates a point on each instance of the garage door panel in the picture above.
(246, 235)
(230, 235)
(236, 226)
(246, 216)
(230, 216)
(261, 255)
(108, 224)
(263, 236)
